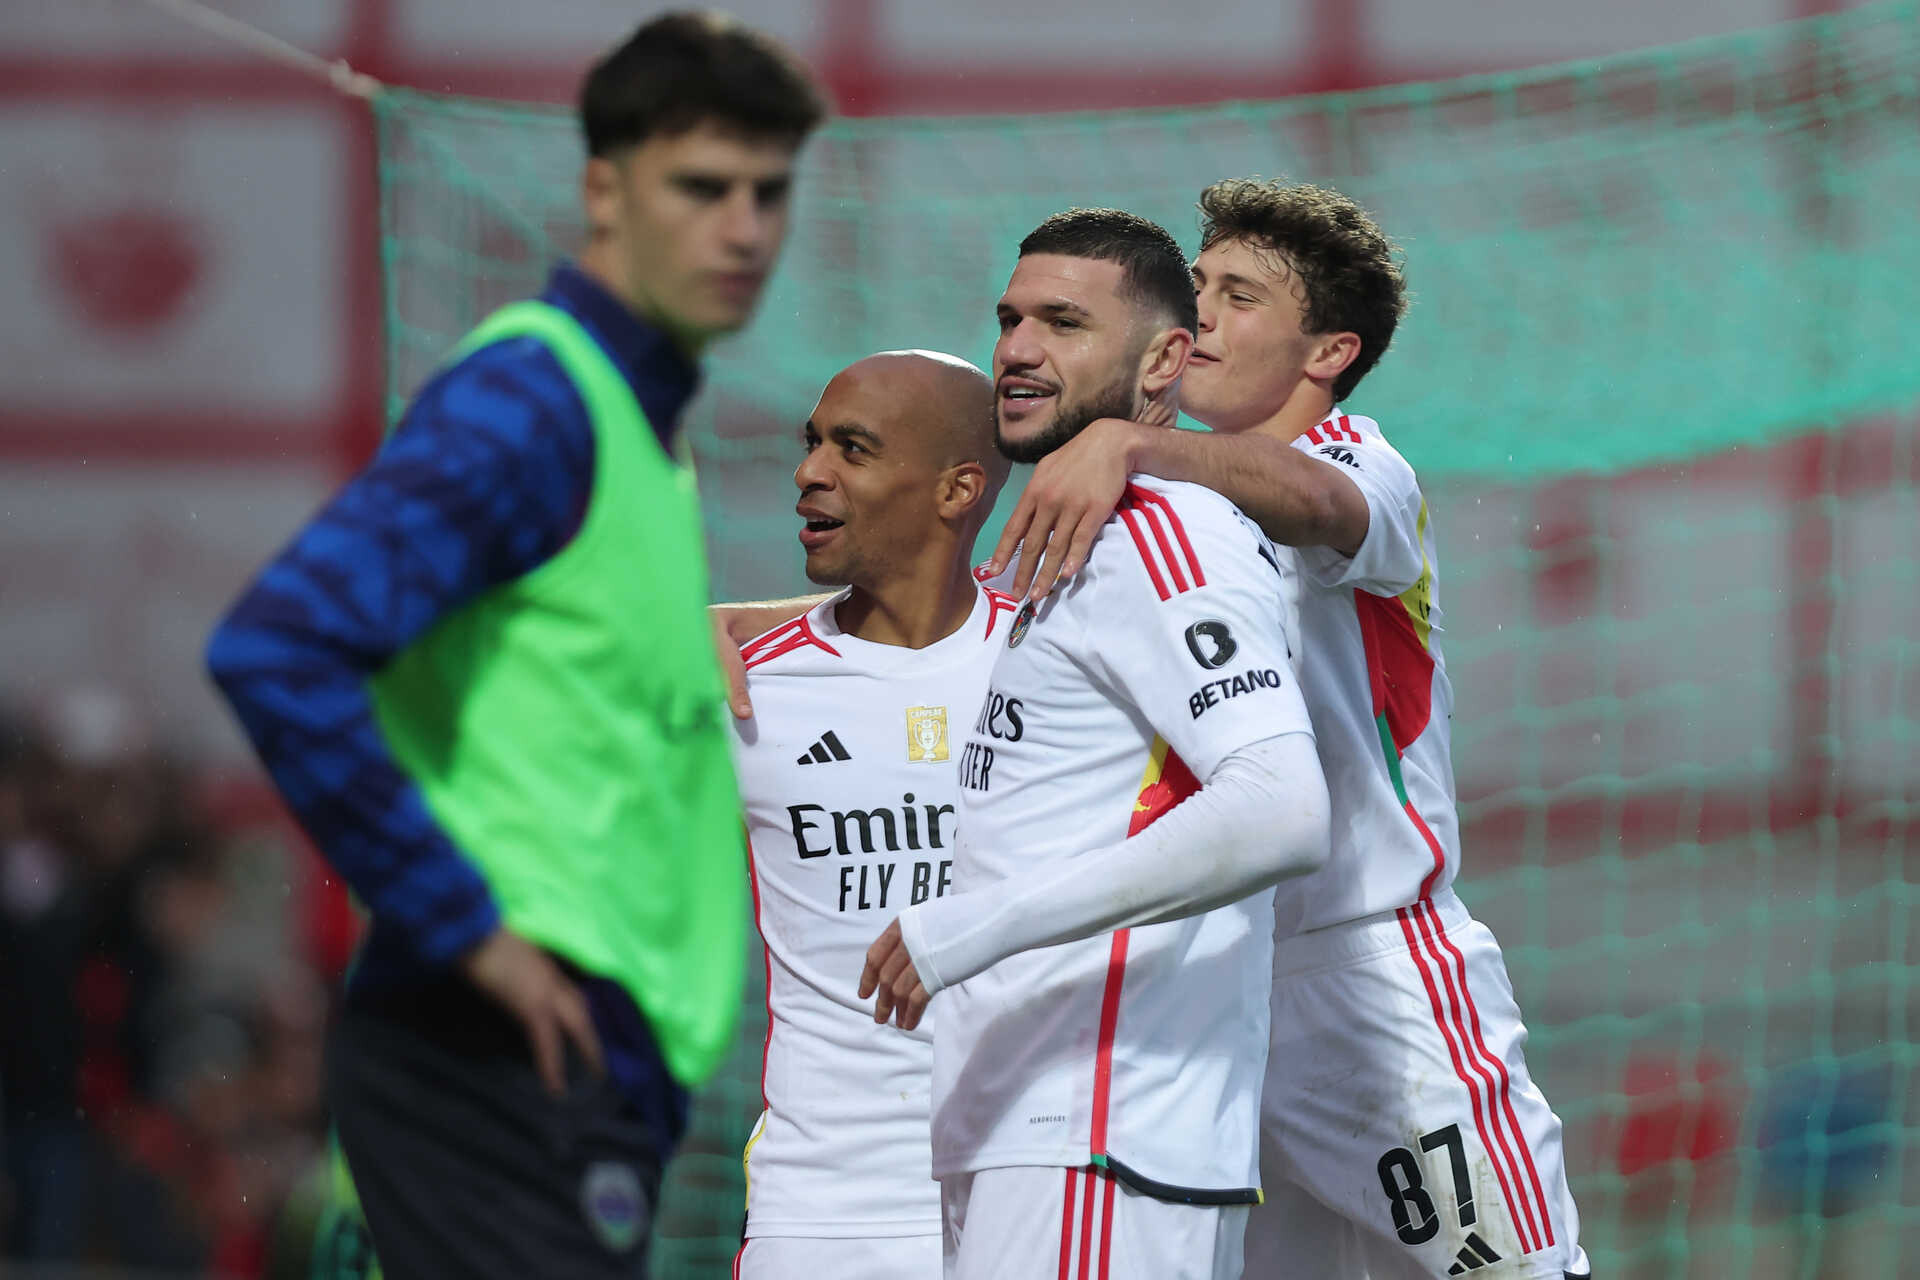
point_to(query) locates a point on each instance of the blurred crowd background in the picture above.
(167, 950)
(191, 347)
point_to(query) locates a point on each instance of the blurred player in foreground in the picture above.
(1096, 1098)
(1402, 1133)
(481, 676)
(847, 772)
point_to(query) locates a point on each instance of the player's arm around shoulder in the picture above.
(1297, 501)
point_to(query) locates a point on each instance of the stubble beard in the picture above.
(839, 574)
(1115, 400)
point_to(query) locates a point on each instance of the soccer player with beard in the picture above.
(848, 778)
(1402, 1134)
(1098, 1058)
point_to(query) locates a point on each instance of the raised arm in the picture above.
(1297, 499)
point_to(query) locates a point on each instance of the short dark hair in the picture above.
(683, 69)
(1344, 263)
(1154, 270)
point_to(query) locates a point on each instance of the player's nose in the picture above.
(813, 472)
(1206, 310)
(1019, 348)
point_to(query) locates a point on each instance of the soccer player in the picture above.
(848, 775)
(1096, 1093)
(1403, 1135)
(481, 677)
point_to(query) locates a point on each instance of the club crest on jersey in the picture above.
(926, 734)
(1021, 621)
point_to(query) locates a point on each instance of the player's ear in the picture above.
(1330, 355)
(1164, 360)
(600, 194)
(962, 488)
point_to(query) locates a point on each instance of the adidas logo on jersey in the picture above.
(1474, 1254)
(825, 751)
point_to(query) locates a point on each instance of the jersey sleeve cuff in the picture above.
(913, 935)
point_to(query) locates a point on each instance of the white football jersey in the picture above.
(847, 776)
(1140, 1050)
(1377, 689)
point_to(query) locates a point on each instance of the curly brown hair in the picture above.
(1345, 265)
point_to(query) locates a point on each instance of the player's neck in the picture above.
(913, 610)
(1161, 410)
(1305, 407)
(602, 264)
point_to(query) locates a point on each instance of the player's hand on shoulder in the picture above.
(890, 978)
(1070, 495)
(548, 1005)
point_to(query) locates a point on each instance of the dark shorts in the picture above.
(465, 1166)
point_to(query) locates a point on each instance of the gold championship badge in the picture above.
(927, 734)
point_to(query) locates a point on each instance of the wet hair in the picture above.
(1154, 271)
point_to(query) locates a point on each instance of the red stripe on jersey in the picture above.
(1426, 920)
(1146, 510)
(784, 631)
(1086, 1226)
(1103, 1050)
(1165, 508)
(1106, 1227)
(1470, 1080)
(1066, 1227)
(998, 602)
(782, 640)
(1313, 434)
(1346, 424)
(1504, 1097)
(1433, 847)
(1166, 550)
(1146, 552)
(736, 1259)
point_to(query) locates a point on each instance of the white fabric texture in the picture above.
(1259, 817)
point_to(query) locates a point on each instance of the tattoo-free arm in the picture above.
(1298, 500)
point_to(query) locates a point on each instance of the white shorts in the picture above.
(820, 1258)
(1045, 1222)
(1401, 1135)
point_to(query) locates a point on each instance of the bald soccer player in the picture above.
(848, 777)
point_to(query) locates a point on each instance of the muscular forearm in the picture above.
(1262, 817)
(1297, 500)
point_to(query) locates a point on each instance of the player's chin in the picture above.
(1198, 404)
(827, 570)
(1026, 439)
(722, 316)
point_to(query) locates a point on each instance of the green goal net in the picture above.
(1662, 378)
